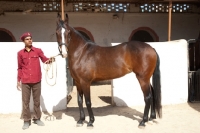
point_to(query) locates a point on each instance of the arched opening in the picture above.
(144, 34)
(6, 36)
(87, 34)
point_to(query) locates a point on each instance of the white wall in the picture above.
(174, 77)
(102, 26)
(126, 90)
(52, 97)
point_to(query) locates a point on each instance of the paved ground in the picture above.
(181, 118)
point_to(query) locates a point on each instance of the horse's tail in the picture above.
(157, 88)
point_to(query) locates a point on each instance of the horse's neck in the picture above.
(77, 40)
(77, 43)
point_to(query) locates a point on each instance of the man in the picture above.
(29, 79)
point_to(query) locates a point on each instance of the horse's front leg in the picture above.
(80, 104)
(88, 103)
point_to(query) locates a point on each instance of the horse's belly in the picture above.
(109, 74)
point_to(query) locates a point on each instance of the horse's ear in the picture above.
(58, 18)
(66, 18)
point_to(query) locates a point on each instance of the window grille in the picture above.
(164, 8)
(50, 6)
(101, 7)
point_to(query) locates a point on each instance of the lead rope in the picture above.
(48, 68)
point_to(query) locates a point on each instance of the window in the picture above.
(101, 7)
(164, 8)
(47, 6)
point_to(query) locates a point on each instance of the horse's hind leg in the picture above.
(145, 86)
(153, 112)
(80, 104)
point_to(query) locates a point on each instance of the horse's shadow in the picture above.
(195, 105)
(99, 111)
(105, 111)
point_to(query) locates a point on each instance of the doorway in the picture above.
(6, 36)
(144, 34)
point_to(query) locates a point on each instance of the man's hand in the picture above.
(19, 86)
(50, 60)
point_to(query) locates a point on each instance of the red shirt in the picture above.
(29, 70)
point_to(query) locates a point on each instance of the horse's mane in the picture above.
(82, 36)
(62, 23)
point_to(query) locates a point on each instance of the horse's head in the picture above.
(63, 35)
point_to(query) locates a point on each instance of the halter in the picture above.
(69, 39)
(61, 24)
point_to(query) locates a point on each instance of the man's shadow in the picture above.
(48, 116)
(56, 114)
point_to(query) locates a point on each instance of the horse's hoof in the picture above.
(90, 126)
(151, 119)
(79, 124)
(150, 122)
(141, 125)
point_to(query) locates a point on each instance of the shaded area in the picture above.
(101, 106)
(102, 110)
(106, 99)
(142, 36)
(104, 82)
(5, 37)
(194, 86)
(194, 54)
(195, 106)
(99, 111)
(194, 70)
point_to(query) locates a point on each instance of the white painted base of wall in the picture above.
(53, 98)
(174, 77)
(126, 90)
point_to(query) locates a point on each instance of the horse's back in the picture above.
(138, 46)
(130, 54)
(115, 61)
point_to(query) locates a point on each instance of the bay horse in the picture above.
(89, 62)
